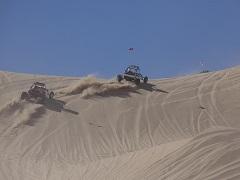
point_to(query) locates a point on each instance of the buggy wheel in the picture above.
(24, 95)
(51, 95)
(137, 81)
(145, 79)
(119, 78)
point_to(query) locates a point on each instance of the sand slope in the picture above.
(179, 128)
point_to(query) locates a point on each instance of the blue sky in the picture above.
(80, 37)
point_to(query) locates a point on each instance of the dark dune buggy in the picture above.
(37, 91)
(132, 73)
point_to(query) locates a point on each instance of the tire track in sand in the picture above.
(213, 98)
(203, 109)
(171, 126)
(146, 109)
(42, 138)
(197, 124)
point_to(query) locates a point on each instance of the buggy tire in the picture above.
(137, 81)
(24, 95)
(145, 79)
(119, 78)
(51, 95)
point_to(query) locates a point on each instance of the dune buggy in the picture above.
(132, 73)
(37, 91)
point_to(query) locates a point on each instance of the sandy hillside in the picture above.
(179, 128)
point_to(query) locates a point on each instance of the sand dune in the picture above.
(211, 155)
(179, 128)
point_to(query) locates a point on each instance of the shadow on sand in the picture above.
(57, 105)
(123, 93)
(53, 105)
(150, 87)
(50, 104)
